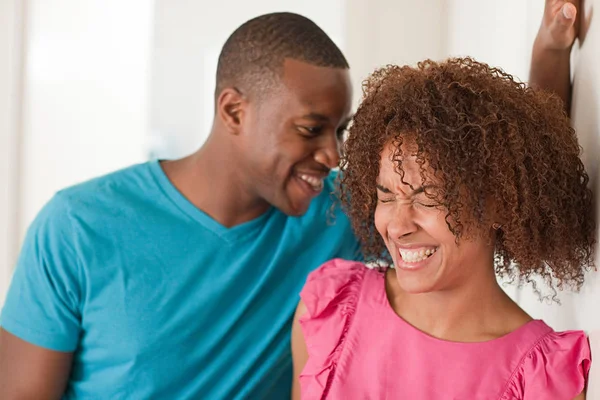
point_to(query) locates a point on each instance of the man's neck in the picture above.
(209, 180)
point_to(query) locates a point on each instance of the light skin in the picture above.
(453, 294)
(259, 154)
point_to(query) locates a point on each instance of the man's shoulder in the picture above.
(95, 197)
(120, 180)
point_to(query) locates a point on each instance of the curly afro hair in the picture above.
(484, 137)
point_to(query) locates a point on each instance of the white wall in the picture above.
(74, 78)
(381, 32)
(499, 33)
(11, 35)
(86, 85)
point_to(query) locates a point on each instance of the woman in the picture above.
(462, 174)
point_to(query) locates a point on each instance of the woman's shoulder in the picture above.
(336, 282)
(330, 297)
(556, 366)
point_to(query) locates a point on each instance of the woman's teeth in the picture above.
(315, 183)
(414, 256)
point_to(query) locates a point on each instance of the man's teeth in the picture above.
(315, 183)
(413, 256)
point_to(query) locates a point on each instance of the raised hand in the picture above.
(559, 27)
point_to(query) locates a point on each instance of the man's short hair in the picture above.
(252, 58)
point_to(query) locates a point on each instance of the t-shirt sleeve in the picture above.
(42, 306)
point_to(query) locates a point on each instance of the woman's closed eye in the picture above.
(426, 202)
(387, 199)
(419, 204)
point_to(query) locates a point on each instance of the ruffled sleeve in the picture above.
(330, 295)
(555, 369)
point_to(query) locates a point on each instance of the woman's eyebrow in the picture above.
(383, 188)
(415, 192)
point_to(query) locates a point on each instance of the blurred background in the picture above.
(91, 86)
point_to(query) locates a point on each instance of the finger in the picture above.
(566, 17)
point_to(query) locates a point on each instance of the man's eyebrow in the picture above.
(316, 117)
(323, 118)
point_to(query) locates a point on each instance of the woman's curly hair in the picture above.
(484, 137)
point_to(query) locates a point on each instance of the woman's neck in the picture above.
(473, 312)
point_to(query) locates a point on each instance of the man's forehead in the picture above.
(307, 78)
(317, 93)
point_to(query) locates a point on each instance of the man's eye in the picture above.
(311, 130)
(385, 200)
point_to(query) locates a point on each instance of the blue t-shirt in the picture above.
(157, 299)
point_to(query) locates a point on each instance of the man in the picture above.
(178, 280)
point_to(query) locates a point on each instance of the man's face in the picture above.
(291, 138)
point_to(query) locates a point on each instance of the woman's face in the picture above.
(425, 253)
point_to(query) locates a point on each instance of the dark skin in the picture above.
(261, 148)
(255, 155)
(550, 61)
(29, 372)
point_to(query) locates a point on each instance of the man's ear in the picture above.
(231, 109)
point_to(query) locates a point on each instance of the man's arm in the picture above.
(41, 317)
(29, 372)
(551, 55)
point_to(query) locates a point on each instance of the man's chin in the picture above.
(295, 208)
(294, 202)
(296, 211)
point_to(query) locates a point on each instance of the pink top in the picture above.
(360, 349)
